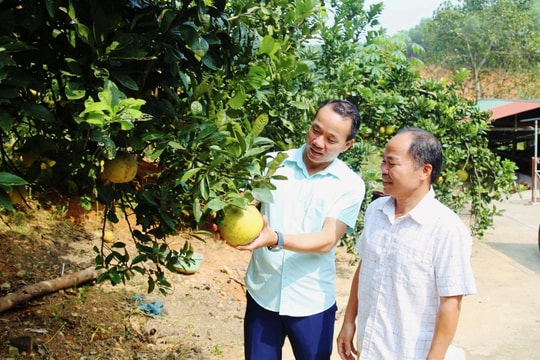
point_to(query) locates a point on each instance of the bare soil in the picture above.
(201, 318)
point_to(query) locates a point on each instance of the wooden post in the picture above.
(533, 181)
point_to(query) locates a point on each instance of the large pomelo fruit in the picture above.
(121, 169)
(240, 226)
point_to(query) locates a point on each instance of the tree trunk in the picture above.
(47, 287)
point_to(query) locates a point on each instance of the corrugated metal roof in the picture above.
(513, 109)
(501, 108)
(488, 104)
(509, 128)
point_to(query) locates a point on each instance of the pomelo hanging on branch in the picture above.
(108, 236)
(122, 168)
(240, 226)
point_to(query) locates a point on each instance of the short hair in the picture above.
(425, 149)
(346, 109)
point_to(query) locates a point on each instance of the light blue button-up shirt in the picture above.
(302, 284)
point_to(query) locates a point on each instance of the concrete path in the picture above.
(501, 321)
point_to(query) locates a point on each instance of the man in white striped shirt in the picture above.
(415, 261)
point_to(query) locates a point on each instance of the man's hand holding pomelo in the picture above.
(241, 227)
(266, 238)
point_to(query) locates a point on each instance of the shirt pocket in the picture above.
(313, 218)
(414, 267)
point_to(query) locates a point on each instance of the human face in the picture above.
(401, 177)
(326, 139)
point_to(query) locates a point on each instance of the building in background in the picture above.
(513, 133)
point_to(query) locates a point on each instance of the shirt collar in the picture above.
(422, 212)
(332, 168)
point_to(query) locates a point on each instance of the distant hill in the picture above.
(494, 85)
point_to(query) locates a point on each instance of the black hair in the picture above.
(346, 109)
(425, 149)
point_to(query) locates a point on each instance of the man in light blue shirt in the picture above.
(290, 278)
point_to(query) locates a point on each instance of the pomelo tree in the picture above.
(199, 91)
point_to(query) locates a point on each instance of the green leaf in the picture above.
(276, 163)
(8, 179)
(84, 34)
(194, 41)
(189, 174)
(16, 46)
(209, 61)
(5, 201)
(302, 105)
(168, 220)
(215, 204)
(262, 195)
(258, 150)
(256, 77)
(125, 80)
(237, 101)
(197, 211)
(52, 6)
(204, 188)
(6, 121)
(73, 66)
(75, 90)
(111, 95)
(259, 124)
(114, 277)
(126, 125)
(176, 145)
(168, 17)
(242, 141)
(268, 46)
(149, 198)
(37, 111)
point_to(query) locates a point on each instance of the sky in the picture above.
(400, 15)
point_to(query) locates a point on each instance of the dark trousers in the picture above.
(311, 337)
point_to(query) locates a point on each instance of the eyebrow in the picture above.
(331, 135)
(390, 157)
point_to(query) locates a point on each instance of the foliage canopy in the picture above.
(200, 91)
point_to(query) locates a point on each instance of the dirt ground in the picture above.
(201, 318)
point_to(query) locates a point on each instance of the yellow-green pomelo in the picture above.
(390, 129)
(108, 236)
(240, 226)
(121, 169)
(462, 175)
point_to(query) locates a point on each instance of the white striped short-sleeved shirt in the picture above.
(408, 263)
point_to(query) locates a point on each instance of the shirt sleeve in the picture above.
(452, 258)
(347, 207)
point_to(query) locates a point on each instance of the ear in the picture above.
(348, 145)
(426, 171)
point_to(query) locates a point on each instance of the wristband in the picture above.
(279, 243)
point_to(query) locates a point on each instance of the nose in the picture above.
(384, 168)
(318, 141)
